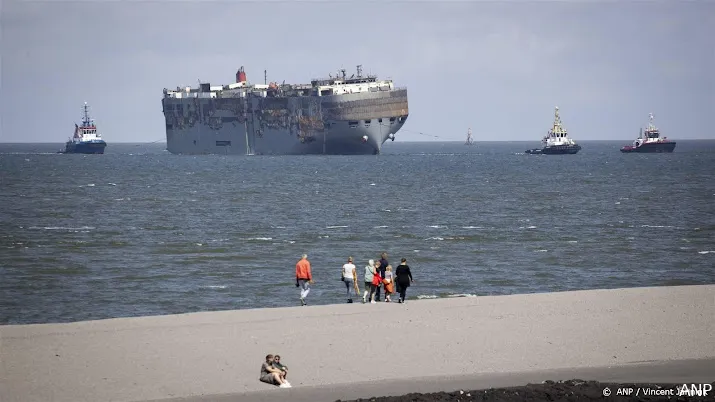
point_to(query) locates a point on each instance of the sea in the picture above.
(139, 231)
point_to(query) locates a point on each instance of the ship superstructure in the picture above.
(334, 115)
(557, 140)
(86, 138)
(651, 142)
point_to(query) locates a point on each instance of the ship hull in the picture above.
(353, 124)
(659, 147)
(555, 150)
(94, 147)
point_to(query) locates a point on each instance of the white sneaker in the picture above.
(373, 302)
(284, 385)
(287, 383)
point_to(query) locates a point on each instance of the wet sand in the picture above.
(419, 347)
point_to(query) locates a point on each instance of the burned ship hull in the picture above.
(282, 123)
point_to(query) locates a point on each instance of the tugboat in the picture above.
(86, 139)
(557, 141)
(470, 141)
(651, 142)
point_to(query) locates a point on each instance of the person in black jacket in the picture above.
(403, 279)
(381, 271)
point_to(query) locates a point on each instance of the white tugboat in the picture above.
(557, 141)
(652, 142)
(86, 138)
(469, 141)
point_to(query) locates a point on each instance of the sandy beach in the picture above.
(331, 348)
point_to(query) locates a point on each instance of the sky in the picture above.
(496, 67)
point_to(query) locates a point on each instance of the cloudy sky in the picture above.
(498, 67)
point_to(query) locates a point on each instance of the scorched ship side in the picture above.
(336, 115)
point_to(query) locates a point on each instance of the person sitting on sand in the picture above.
(272, 375)
(284, 369)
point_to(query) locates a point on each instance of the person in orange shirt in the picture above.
(303, 278)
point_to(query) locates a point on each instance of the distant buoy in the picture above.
(391, 136)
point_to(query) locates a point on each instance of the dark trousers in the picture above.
(402, 290)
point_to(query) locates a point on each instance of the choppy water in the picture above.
(138, 231)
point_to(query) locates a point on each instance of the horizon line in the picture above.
(411, 141)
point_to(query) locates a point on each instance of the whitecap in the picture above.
(706, 252)
(427, 297)
(335, 227)
(62, 228)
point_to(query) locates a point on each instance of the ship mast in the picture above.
(85, 118)
(651, 126)
(470, 141)
(557, 129)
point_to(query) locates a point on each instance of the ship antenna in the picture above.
(359, 71)
(650, 122)
(85, 120)
(557, 118)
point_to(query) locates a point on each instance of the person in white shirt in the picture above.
(349, 277)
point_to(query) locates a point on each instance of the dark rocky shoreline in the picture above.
(571, 390)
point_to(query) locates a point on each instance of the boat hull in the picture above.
(555, 150)
(94, 147)
(659, 147)
(352, 124)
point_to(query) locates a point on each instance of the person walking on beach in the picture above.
(350, 278)
(381, 271)
(369, 287)
(403, 279)
(272, 375)
(389, 282)
(303, 278)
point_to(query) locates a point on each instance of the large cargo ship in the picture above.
(335, 115)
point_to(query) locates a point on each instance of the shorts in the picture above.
(268, 378)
